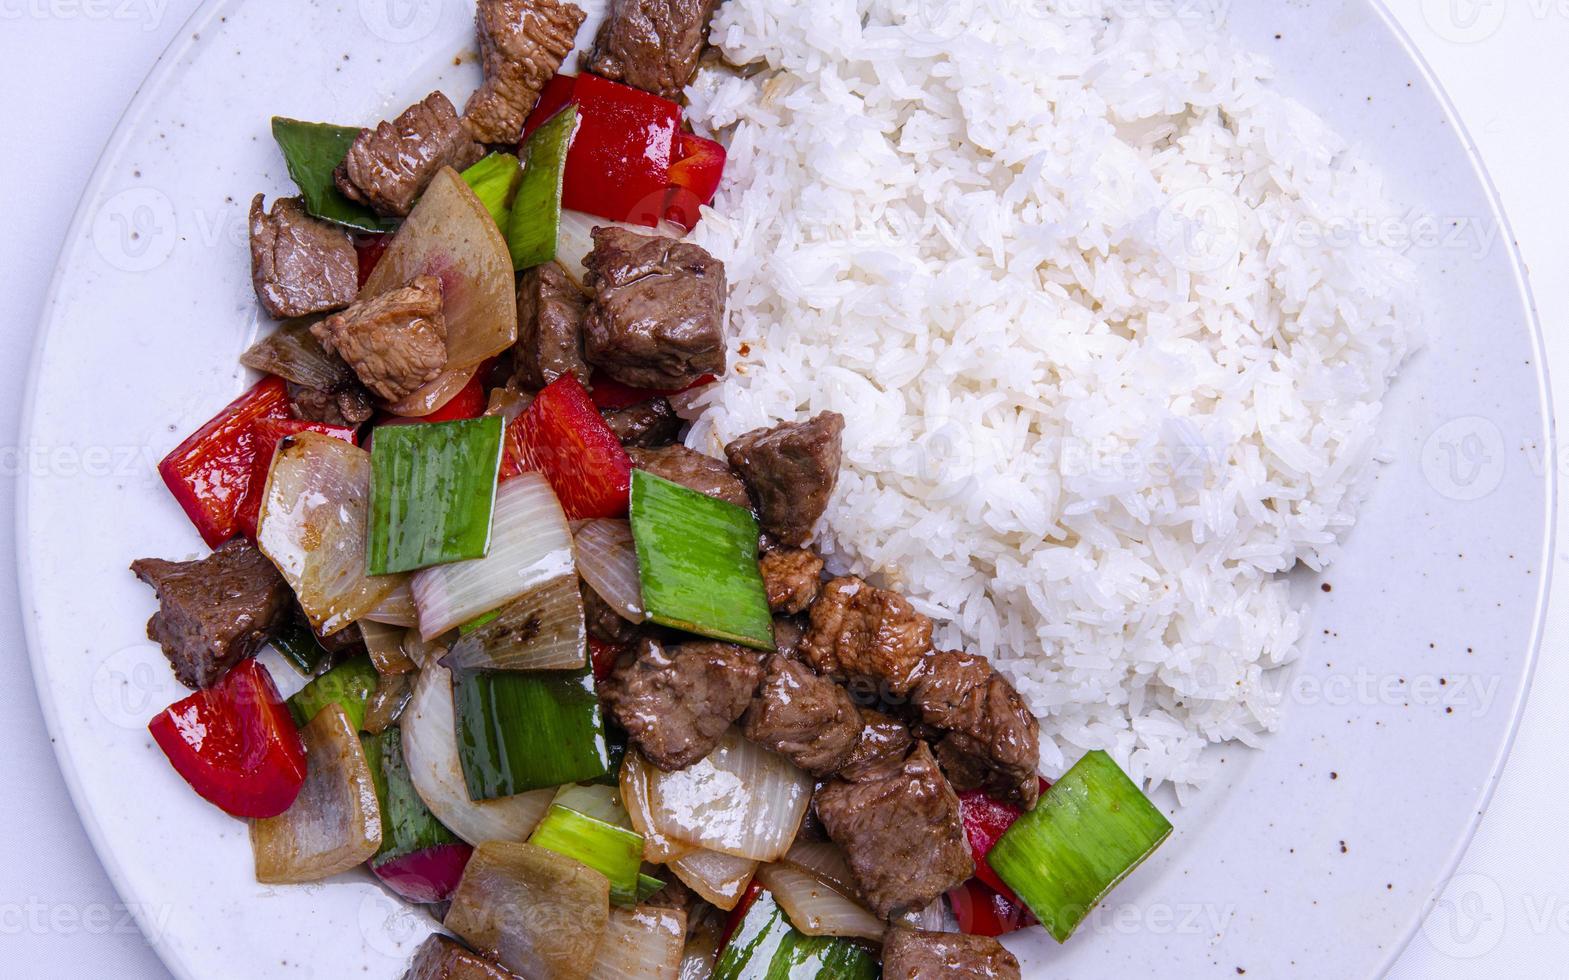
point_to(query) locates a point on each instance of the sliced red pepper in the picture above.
(267, 434)
(603, 656)
(612, 394)
(694, 178)
(619, 164)
(210, 472)
(236, 744)
(980, 911)
(985, 821)
(733, 921)
(562, 435)
(431, 875)
(468, 403)
(369, 248)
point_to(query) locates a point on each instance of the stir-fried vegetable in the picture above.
(419, 858)
(562, 435)
(615, 852)
(294, 354)
(607, 561)
(697, 563)
(985, 820)
(817, 908)
(637, 796)
(392, 695)
(765, 946)
(398, 609)
(537, 913)
(980, 911)
(432, 493)
(1087, 833)
(542, 630)
(210, 472)
(720, 879)
(349, 685)
(312, 152)
(385, 645)
(694, 178)
(524, 731)
(494, 181)
(313, 524)
(536, 215)
(431, 750)
(335, 822)
(266, 434)
(299, 646)
(235, 743)
(531, 547)
(642, 944)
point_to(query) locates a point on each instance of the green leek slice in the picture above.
(432, 493)
(615, 852)
(1089, 831)
(765, 946)
(521, 731)
(407, 825)
(300, 647)
(535, 223)
(494, 180)
(348, 685)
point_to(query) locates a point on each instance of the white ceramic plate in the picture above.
(1316, 857)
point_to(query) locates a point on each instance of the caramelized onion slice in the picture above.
(537, 913)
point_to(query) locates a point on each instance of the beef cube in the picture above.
(389, 167)
(521, 44)
(676, 703)
(883, 742)
(651, 44)
(792, 577)
(860, 631)
(441, 958)
(788, 631)
(347, 404)
(994, 740)
(550, 328)
(215, 612)
(808, 719)
(299, 264)
(693, 470)
(912, 955)
(899, 829)
(657, 320)
(603, 622)
(647, 426)
(396, 342)
(792, 469)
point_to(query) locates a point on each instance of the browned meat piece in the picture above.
(651, 44)
(657, 320)
(348, 404)
(521, 44)
(674, 895)
(389, 167)
(808, 719)
(300, 265)
(788, 631)
(792, 577)
(603, 622)
(215, 612)
(861, 631)
(899, 829)
(912, 955)
(550, 328)
(676, 703)
(792, 469)
(396, 342)
(994, 740)
(440, 958)
(883, 742)
(693, 470)
(646, 426)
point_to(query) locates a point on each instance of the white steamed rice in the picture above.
(1061, 268)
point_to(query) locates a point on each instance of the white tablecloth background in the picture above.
(67, 70)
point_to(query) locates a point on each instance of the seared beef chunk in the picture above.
(300, 265)
(912, 955)
(861, 631)
(883, 741)
(899, 829)
(788, 631)
(604, 623)
(550, 328)
(651, 44)
(521, 44)
(388, 167)
(657, 320)
(348, 404)
(693, 470)
(676, 703)
(792, 577)
(440, 958)
(808, 719)
(994, 740)
(396, 342)
(215, 612)
(646, 426)
(345, 643)
(792, 468)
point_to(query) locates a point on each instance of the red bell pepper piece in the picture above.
(468, 403)
(210, 472)
(562, 435)
(369, 247)
(603, 656)
(694, 178)
(556, 94)
(737, 914)
(236, 744)
(267, 433)
(610, 393)
(982, 912)
(985, 820)
(431, 875)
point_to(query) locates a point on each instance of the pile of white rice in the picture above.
(1064, 270)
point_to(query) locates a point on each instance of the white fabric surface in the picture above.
(68, 68)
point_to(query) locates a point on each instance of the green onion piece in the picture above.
(432, 493)
(536, 211)
(697, 561)
(1089, 831)
(484, 619)
(407, 825)
(765, 946)
(647, 885)
(520, 731)
(494, 180)
(348, 685)
(300, 647)
(312, 152)
(616, 743)
(615, 852)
